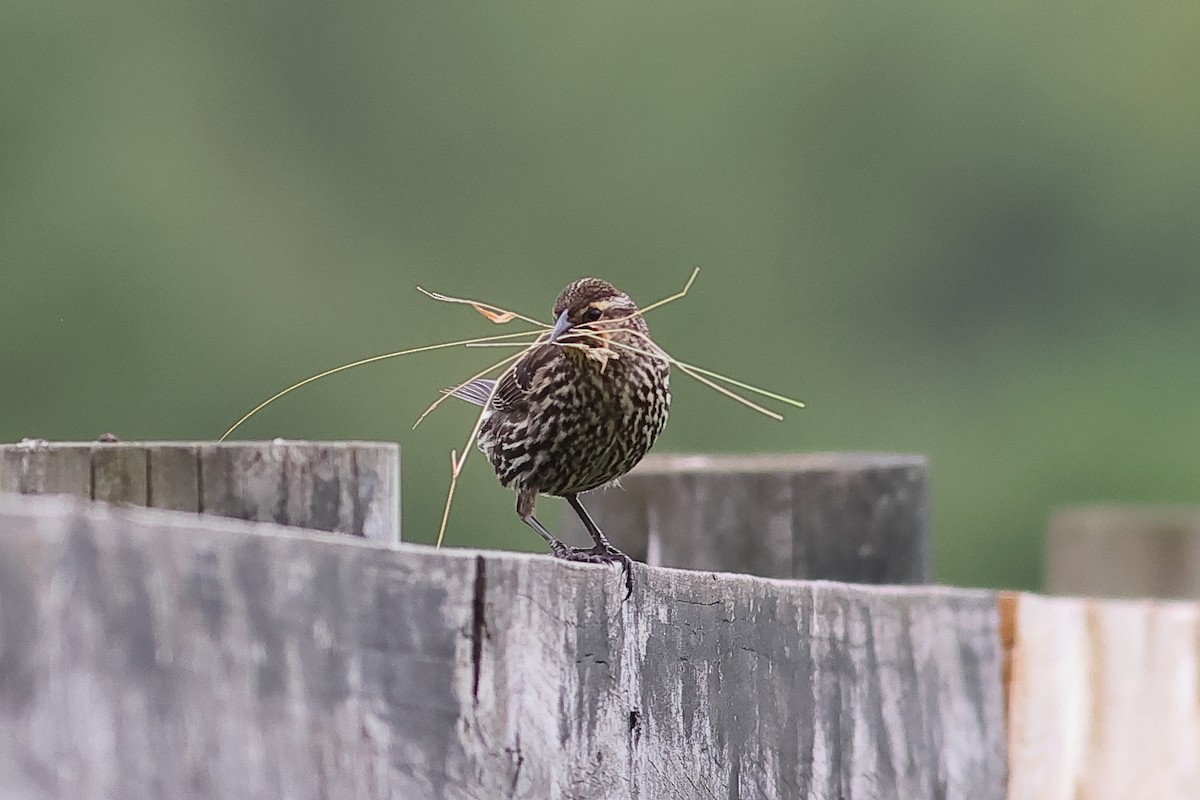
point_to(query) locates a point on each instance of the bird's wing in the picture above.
(475, 392)
(515, 384)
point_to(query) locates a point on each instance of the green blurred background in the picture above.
(960, 229)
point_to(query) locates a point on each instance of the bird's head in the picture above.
(596, 306)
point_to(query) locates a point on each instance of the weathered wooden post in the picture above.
(1125, 551)
(185, 656)
(1102, 698)
(853, 517)
(341, 487)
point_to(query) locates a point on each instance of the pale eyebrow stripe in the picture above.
(612, 302)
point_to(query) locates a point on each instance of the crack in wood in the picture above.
(478, 625)
(200, 480)
(515, 750)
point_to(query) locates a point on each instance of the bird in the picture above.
(576, 411)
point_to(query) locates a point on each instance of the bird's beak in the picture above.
(561, 326)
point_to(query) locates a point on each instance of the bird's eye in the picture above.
(591, 315)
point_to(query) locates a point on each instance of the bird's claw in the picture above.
(600, 555)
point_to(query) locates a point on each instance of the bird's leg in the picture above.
(603, 551)
(525, 501)
(602, 543)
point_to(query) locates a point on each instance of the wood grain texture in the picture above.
(1125, 551)
(852, 517)
(154, 654)
(341, 487)
(1104, 700)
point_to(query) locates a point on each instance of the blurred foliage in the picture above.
(963, 230)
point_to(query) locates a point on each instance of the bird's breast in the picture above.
(584, 423)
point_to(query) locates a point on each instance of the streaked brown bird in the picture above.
(577, 411)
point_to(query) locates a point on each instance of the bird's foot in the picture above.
(599, 554)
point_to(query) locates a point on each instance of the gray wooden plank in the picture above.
(377, 505)
(862, 518)
(120, 474)
(244, 480)
(854, 517)
(174, 476)
(35, 466)
(10, 469)
(342, 487)
(320, 493)
(152, 654)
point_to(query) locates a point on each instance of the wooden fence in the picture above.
(148, 653)
(1125, 551)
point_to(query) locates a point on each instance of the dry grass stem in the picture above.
(682, 293)
(449, 497)
(493, 313)
(457, 464)
(699, 373)
(363, 362)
